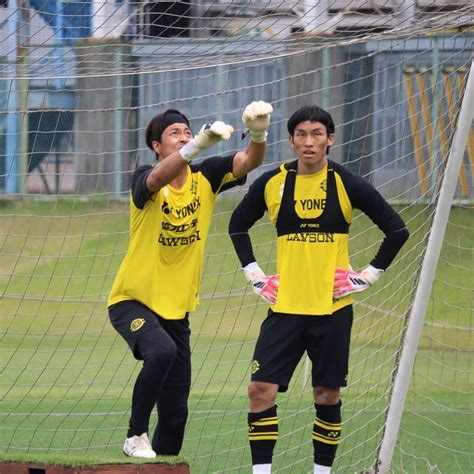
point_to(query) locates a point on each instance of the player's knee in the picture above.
(161, 355)
(262, 394)
(326, 395)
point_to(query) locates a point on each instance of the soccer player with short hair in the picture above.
(157, 285)
(310, 201)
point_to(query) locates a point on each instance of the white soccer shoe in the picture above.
(139, 447)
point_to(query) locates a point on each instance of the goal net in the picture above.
(79, 82)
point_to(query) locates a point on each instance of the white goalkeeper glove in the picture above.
(348, 281)
(209, 135)
(264, 286)
(256, 118)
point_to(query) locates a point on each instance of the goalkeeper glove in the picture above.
(256, 118)
(209, 135)
(264, 286)
(348, 281)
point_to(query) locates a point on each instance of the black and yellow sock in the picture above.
(263, 435)
(326, 433)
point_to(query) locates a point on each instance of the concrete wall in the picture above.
(104, 139)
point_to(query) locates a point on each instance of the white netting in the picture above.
(78, 84)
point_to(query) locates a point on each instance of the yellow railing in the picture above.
(419, 86)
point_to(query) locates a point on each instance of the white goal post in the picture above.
(426, 278)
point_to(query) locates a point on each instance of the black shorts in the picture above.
(134, 321)
(284, 338)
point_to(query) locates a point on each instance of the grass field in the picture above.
(66, 377)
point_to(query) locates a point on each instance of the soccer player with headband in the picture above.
(157, 285)
(310, 201)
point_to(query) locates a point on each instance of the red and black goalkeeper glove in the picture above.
(348, 281)
(264, 286)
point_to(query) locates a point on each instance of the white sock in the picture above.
(318, 469)
(262, 469)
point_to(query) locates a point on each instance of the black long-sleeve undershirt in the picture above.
(362, 195)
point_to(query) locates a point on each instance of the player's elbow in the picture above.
(155, 181)
(403, 235)
(238, 225)
(399, 237)
(234, 223)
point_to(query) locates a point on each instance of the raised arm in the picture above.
(256, 119)
(170, 167)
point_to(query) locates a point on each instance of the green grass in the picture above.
(66, 377)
